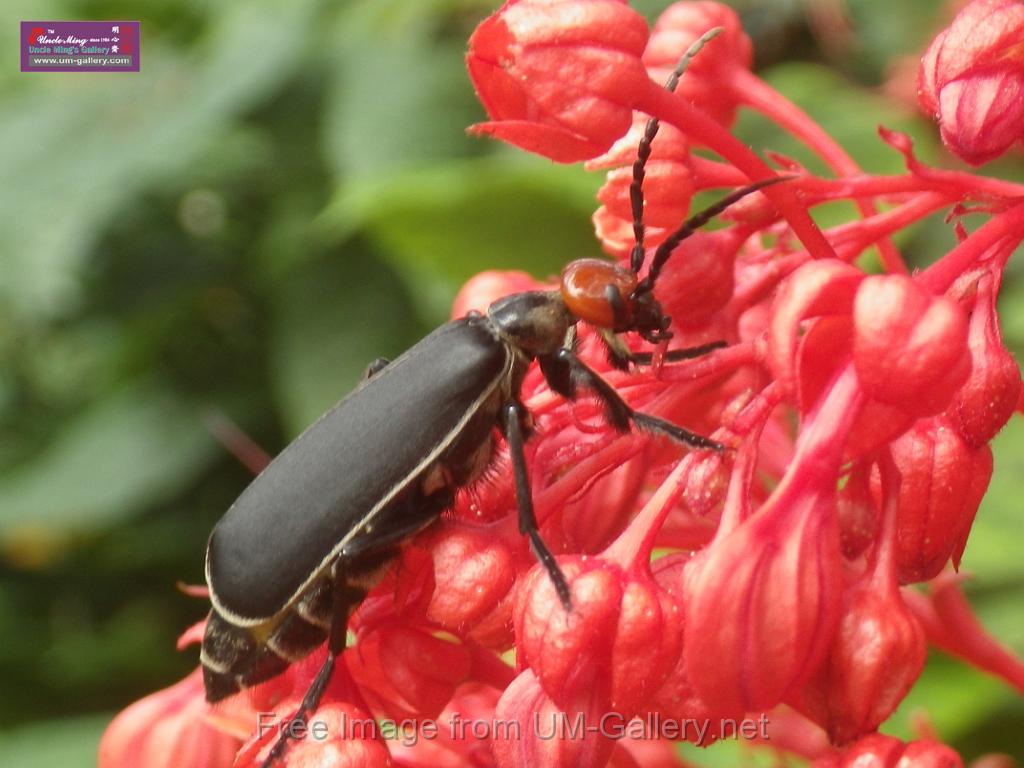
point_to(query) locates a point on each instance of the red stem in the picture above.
(677, 112)
(757, 94)
(824, 433)
(884, 569)
(633, 546)
(853, 237)
(941, 275)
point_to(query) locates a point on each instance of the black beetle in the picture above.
(302, 545)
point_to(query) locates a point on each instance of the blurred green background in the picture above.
(284, 193)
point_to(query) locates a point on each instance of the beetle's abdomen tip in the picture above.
(218, 686)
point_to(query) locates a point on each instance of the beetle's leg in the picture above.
(564, 371)
(571, 338)
(621, 356)
(618, 354)
(512, 415)
(375, 367)
(343, 599)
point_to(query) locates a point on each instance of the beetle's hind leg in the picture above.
(565, 373)
(345, 595)
(512, 419)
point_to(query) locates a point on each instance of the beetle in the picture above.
(310, 536)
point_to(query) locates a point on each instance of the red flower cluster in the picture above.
(782, 593)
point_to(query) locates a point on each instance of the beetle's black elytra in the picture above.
(304, 543)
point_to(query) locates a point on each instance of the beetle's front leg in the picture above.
(621, 356)
(565, 372)
(512, 418)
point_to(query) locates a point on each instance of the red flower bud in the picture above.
(475, 573)
(706, 485)
(878, 650)
(819, 288)
(548, 736)
(668, 187)
(174, 727)
(590, 521)
(481, 290)
(677, 699)
(678, 27)
(858, 517)
(909, 347)
(614, 648)
(986, 402)
(878, 751)
(559, 78)
(670, 145)
(337, 734)
(939, 495)
(762, 601)
(972, 80)
(876, 656)
(698, 279)
(826, 347)
(457, 740)
(411, 671)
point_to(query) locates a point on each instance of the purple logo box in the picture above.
(79, 46)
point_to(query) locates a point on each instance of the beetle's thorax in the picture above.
(534, 322)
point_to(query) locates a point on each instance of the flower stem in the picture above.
(941, 275)
(678, 113)
(761, 97)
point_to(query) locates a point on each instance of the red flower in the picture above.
(989, 397)
(972, 80)
(944, 480)
(762, 600)
(878, 751)
(910, 348)
(337, 735)
(549, 737)
(616, 646)
(558, 78)
(878, 650)
(679, 26)
(475, 573)
(175, 727)
(408, 671)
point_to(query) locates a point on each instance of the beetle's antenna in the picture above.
(694, 223)
(643, 152)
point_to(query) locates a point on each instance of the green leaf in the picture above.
(992, 552)
(886, 31)
(440, 226)
(955, 697)
(68, 743)
(331, 319)
(81, 146)
(729, 753)
(399, 96)
(135, 447)
(852, 121)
